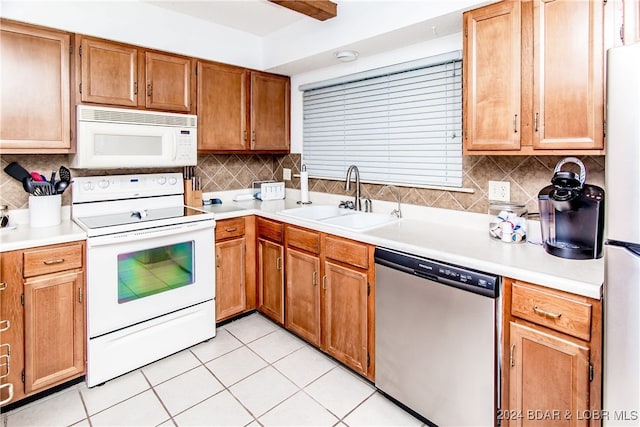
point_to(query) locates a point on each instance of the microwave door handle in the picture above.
(175, 146)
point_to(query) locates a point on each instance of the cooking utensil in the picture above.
(42, 188)
(37, 177)
(65, 174)
(60, 186)
(15, 171)
(27, 184)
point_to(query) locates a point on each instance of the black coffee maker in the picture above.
(571, 214)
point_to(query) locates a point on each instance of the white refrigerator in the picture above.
(621, 358)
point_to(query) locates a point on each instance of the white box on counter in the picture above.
(268, 190)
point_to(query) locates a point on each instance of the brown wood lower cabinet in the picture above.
(270, 268)
(346, 315)
(329, 301)
(42, 318)
(53, 329)
(235, 274)
(231, 297)
(552, 364)
(303, 295)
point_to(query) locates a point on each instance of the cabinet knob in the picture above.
(149, 89)
(54, 261)
(511, 361)
(515, 123)
(3, 286)
(546, 313)
(6, 326)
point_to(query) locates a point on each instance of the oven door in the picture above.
(140, 275)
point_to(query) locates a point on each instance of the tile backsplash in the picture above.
(526, 175)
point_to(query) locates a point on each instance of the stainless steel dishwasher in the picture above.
(436, 338)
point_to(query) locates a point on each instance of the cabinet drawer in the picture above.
(552, 309)
(347, 251)
(270, 230)
(228, 228)
(52, 259)
(306, 240)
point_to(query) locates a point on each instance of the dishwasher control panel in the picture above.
(449, 274)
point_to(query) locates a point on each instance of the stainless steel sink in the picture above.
(343, 218)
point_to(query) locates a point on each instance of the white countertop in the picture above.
(23, 236)
(457, 237)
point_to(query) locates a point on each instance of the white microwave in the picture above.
(116, 138)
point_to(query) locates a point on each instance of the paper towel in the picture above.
(304, 186)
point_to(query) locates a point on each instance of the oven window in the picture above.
(152, 271)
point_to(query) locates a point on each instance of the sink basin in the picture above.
(317, 212)
(339, 217)
(361, 221)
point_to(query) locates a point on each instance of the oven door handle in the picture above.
(150, 233)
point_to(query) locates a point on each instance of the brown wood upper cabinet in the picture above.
(117, 74)
(35, 89)
(242, 110)
(533, 78)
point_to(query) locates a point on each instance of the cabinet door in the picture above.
(11, 327)
(231, 297)
(568, 104)
(222, 108)
(271, 280)
(303, 295)
(491, 77)
(35, 90)
(345, 311)
(168, 82)
(54, 329)
(109, 73)
(270, 113)
(547, 372)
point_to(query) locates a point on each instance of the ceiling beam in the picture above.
(318, 9)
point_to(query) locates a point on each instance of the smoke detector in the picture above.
(346, 55)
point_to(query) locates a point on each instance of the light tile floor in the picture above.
(252, 373)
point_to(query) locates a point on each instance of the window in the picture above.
(400, 124)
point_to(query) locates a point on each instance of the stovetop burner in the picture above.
(138, 216)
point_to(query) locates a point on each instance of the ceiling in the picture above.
(258, 17)
(264, 19)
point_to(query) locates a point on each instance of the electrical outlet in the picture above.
(286, 174)
(499, 191)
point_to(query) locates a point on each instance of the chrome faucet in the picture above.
(398, 211)
(354, 168)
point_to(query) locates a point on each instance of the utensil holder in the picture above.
(192, 197)
(45, 211)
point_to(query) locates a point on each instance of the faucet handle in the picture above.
(346, 204)
(368, 204)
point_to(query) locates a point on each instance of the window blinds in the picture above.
(400, 127)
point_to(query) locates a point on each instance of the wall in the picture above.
(527, 175)
(142, 24)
